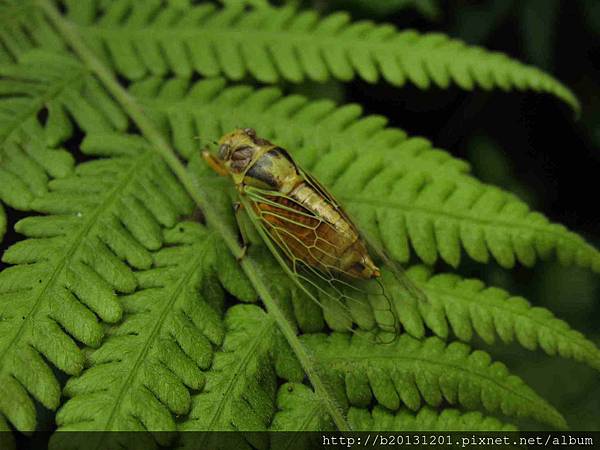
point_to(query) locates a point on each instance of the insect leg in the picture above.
(248, 233)
(237, 209)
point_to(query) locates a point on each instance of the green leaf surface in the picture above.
(240, 386)
(426, 419)
(142, 374)
(298, 409)
(23, 26)
(36, 108)
(100, 223)
(138, 39)
(63, 90)
(468, 307)
(429, 372)
(27, 164)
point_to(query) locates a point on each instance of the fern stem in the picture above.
(147, 128)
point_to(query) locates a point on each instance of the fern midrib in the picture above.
(86, 229)
(162, 147)
(164, 314)
(564, 333)
(238, 372)
(208, 33)
(343, 362)
(496, 223)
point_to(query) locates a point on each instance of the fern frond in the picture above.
(401, 190)
(413, 373)
(426, 419)
(239, 393)
(467, 306)
(140, 376)
(458, 306)
(138, 39)
(438, 217)
(101, 221)
(299, 410)
(40, 95)
(23, 26)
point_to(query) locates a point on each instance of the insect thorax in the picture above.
(273, 170)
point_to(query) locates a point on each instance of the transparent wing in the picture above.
(387, 262)
(298, 238)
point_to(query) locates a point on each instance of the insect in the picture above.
(323, 248)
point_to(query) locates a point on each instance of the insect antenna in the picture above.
(198, 138)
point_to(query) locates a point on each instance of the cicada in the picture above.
(308, 229)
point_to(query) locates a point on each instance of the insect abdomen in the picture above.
(310, 229)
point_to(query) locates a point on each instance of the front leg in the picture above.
(237, 209)
(214, 163)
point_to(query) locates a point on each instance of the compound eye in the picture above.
(250, 132)
(241, 153)
(358, 267)
(223, 151)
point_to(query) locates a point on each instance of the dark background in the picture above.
(527, 143)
